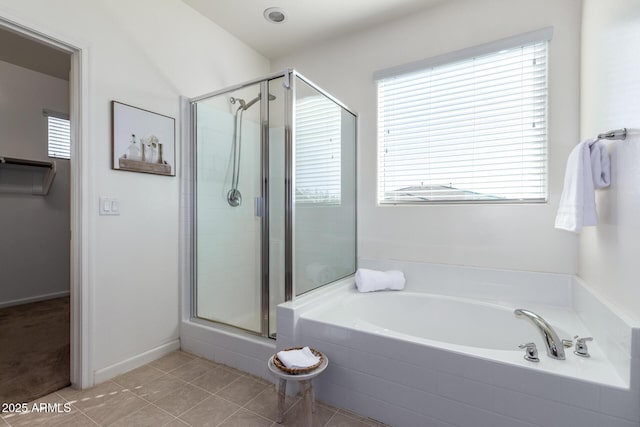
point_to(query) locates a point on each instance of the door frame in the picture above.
(81, 349)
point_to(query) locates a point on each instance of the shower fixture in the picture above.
(240, 101)
(234, 197)
(256, 99)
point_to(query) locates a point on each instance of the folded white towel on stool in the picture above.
(302, 358)
(588, 168)
(373, 280)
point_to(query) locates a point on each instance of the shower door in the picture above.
(238, 207)
(228, 240)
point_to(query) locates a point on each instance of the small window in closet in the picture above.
(58, 134)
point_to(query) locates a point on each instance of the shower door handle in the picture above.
(259, 206)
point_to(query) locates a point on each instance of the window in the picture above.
(468, 126)
(58, 134)
(318, 131)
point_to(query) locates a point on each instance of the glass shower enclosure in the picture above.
(274, 203)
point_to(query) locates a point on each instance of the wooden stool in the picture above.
(308, 396)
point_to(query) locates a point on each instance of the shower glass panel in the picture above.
(325, 189)
(228, 177)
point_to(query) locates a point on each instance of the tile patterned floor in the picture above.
(178, 390)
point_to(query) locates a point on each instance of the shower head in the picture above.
(238, 100)
(256, 99)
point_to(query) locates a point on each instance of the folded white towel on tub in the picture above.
(302, 358)
(373, 280)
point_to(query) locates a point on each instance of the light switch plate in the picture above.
(109, 206)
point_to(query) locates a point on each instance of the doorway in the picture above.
(35, 194)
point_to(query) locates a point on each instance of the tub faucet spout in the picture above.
(555, 348)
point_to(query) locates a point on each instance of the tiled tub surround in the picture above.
(405, 380)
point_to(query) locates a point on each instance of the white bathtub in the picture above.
(457, 323)
(413, 358)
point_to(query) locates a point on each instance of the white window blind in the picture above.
(59, 135)
(473, 129)
(317, 164)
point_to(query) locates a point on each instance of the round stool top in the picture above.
(297, 377)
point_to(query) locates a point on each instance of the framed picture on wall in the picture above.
(142, 141)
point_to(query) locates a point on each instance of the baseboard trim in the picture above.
(104, 374)
(36, 298)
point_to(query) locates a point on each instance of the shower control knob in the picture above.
(581, 346)
(234, 198)
(530, 352)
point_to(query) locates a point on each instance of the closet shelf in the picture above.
(25, 176)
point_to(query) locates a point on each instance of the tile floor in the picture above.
(179, 390)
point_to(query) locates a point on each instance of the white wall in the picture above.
(502, 236)
(610, 92)
(144, 53)
(34, 247)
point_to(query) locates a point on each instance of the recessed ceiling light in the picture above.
(275, 15)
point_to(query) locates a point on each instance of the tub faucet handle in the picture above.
(567, 343)
(530, 352)
(581, 346)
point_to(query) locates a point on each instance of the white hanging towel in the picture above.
(600, 165)
(373, 280)
(588, 168)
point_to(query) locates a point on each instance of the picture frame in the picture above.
(142, 141)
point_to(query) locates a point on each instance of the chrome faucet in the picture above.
(555, 347)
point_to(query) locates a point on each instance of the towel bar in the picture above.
(614, 134)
